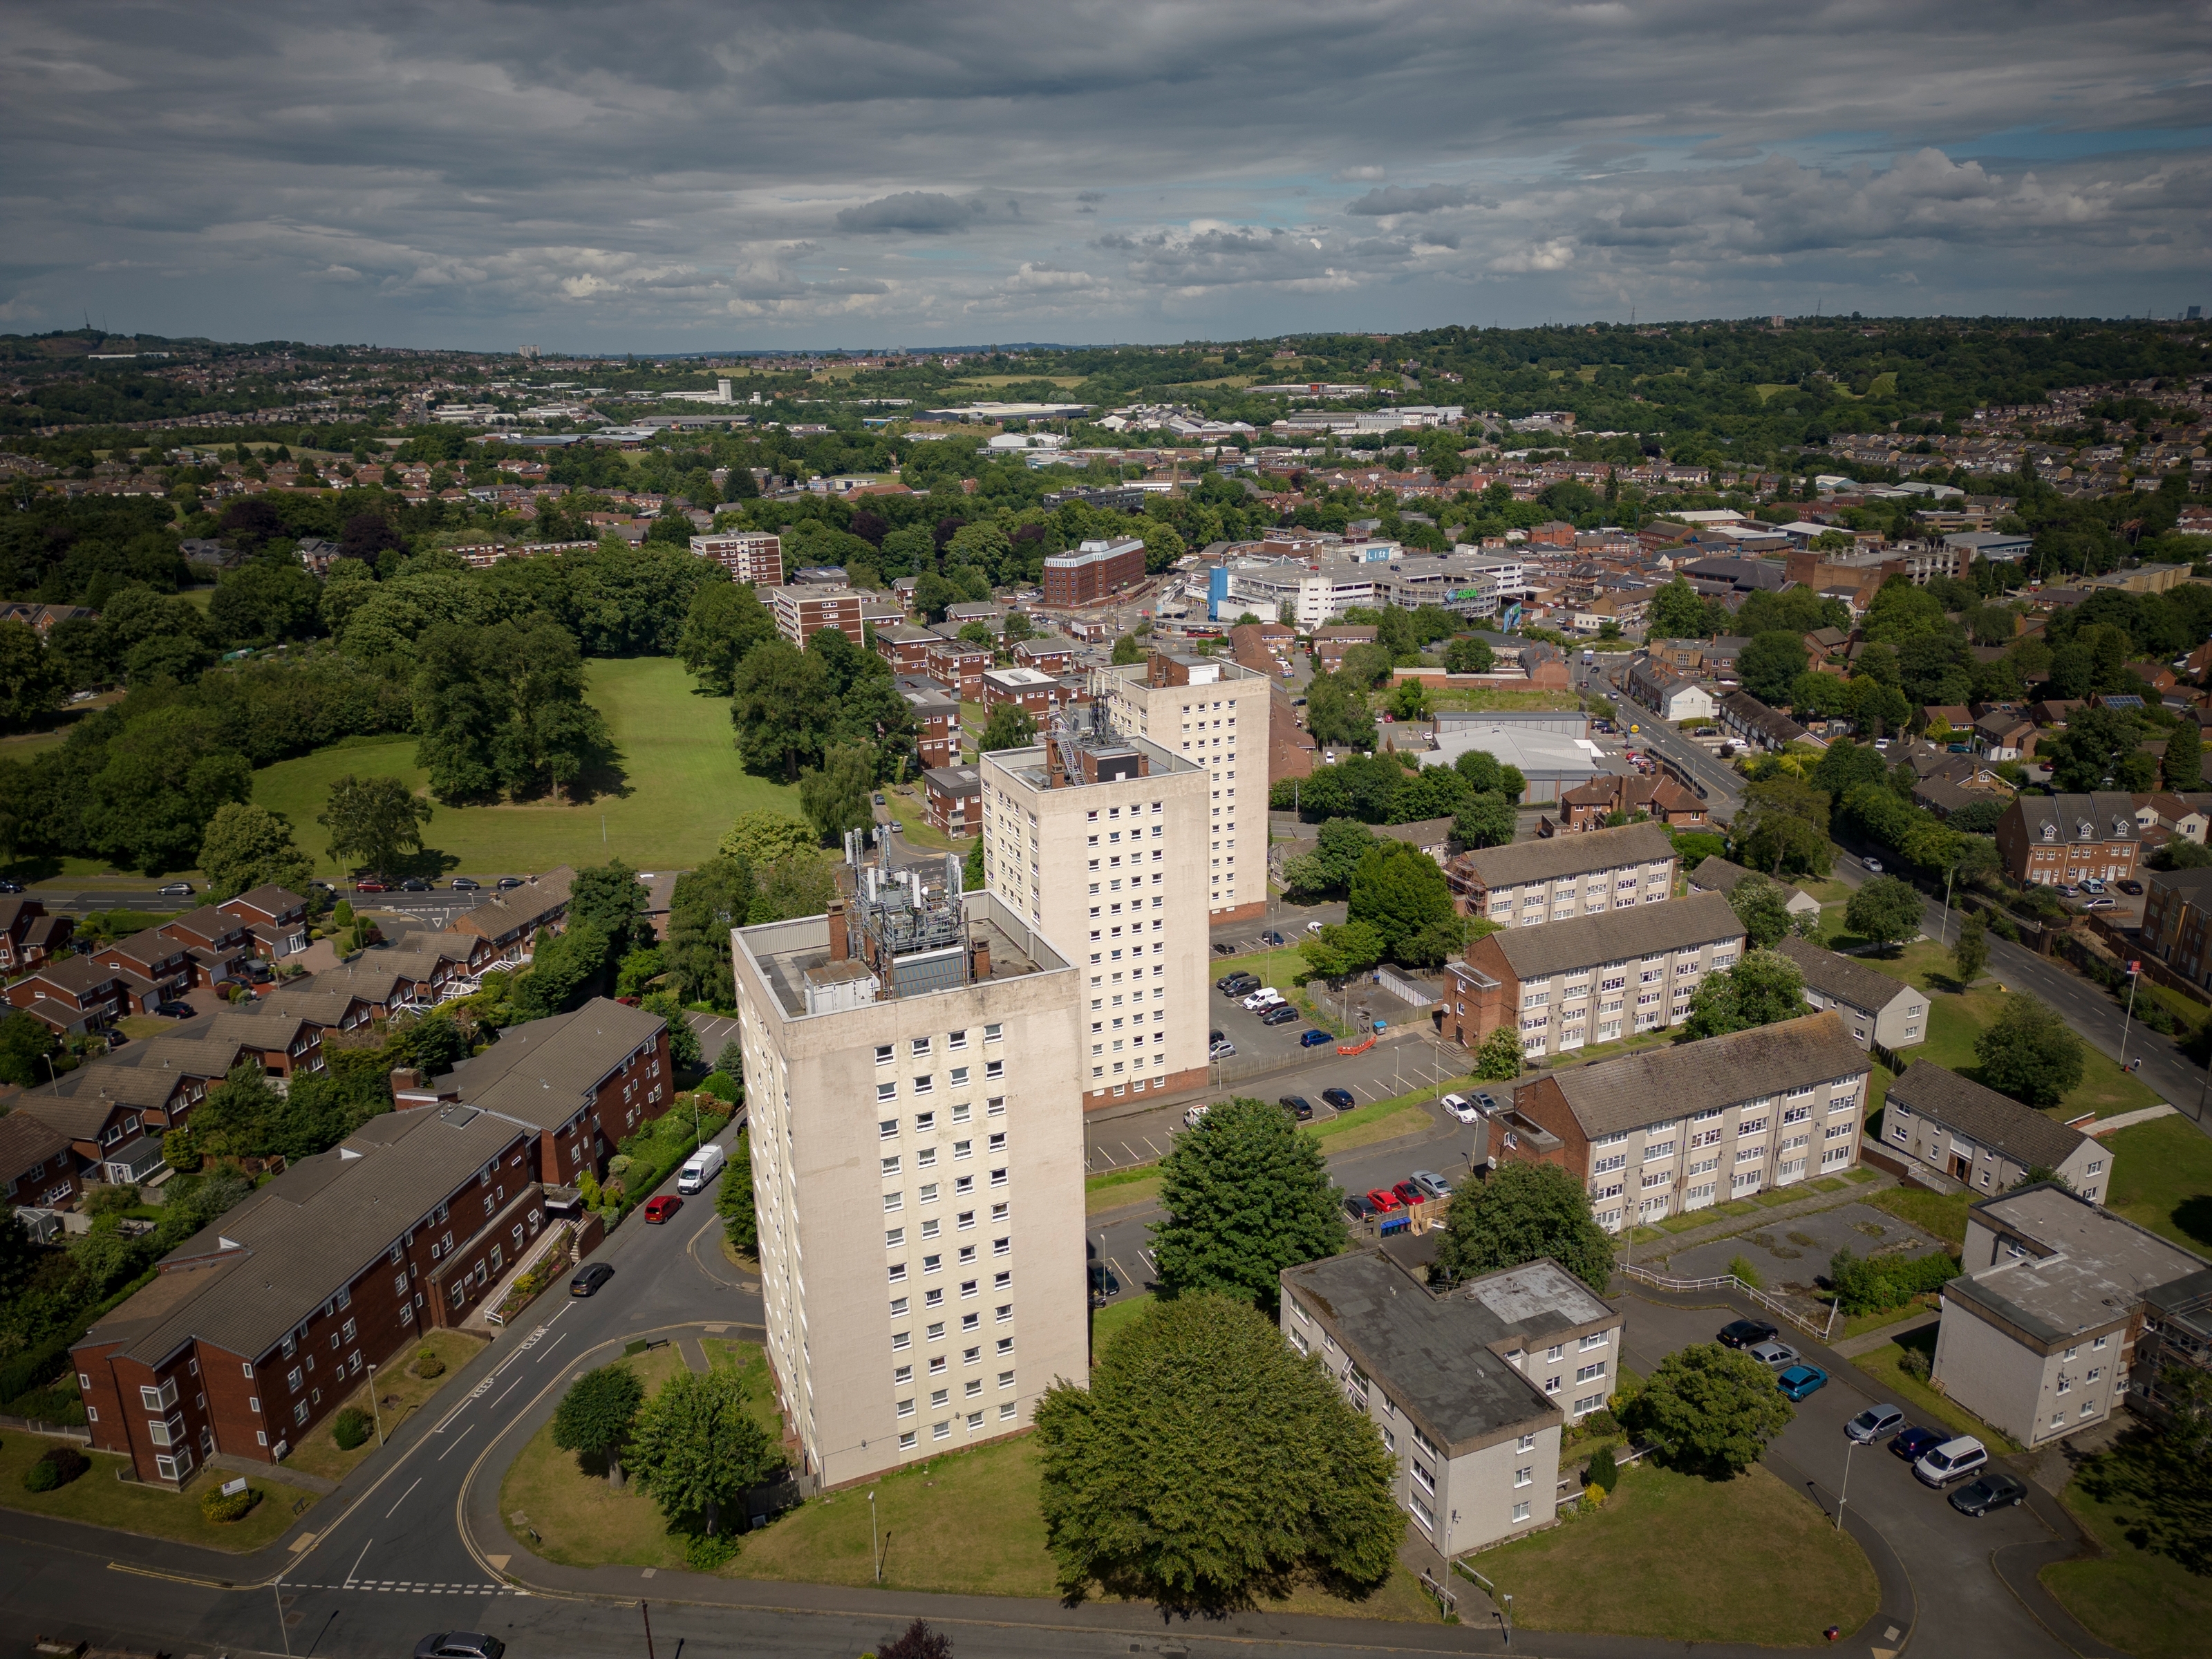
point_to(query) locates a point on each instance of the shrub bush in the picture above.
(704, 1555)
(222, 1508)
(1916, 1362)
(428, 1364)
(352, 1428)
(1742, 1267)
(720, 1085)
(1603, 1472)
(60, 1465)
(1886, 1282)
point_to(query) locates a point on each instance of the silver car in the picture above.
(1774, 1355)
(1433, 1183)
(1872, 1423)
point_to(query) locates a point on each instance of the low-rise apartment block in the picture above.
(1024, 687)
(1215, 715)
(1470, 1388)
(1532, 881)
(1094, 570)
(1091, 836)
(803, 610)
(511, 920)
(751, 556)
(1875, 1007)
(952, 799)
(907, 649)
(917, 1166)
(1666, 1131)
(2040, 1332)
(936, 726)
(2064, 839)
(1985, 1141)
(258, 1328)
(2176, 924)
(1593, 979)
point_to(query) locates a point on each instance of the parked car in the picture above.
(1995, 1490)
(1461, 1107)
(1281, 1014)
(1743, 1332)
(1104, 1284)
(1222, 1048)
(414, 885)
(1356, 1207)
(1265, 997)
(588, 1282)
(2068, 890)
(1954, 1460)
(1343, 1099)
(701, 1167)
(1315, 1038)
(657, 1210)
(1192, 1114)
(1313, 927)
(459, 1644)
(1382, 1200)
(1298, 1106)
(370, 885)
(7, 886)
(1909, 1443)
(2092, 884)
(178, 889)
(1874, 865)
(1772, 1353)
(466, 884)
(1410, 1193)
(1271, 937)
(1433, 1183)
(174, 1010)
(505, 883)
(877, 799)
(1800, 1380)
(2132, 889)
(1875, 1421)
(1237, 984)
(1224, 949)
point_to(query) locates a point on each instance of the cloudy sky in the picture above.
(679, 175)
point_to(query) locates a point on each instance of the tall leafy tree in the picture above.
(1887, 910)
(1484, 821)
(761, 837)
(734, 1201)
(697, 1447)
(597, 1416)
(159, 783)
(1337, 714)
(834, 795)
(2030, 1054)
(2182, 767)
(725, 622)
(1711, 1410)
(1246, 1196)
(563, 969)
(247, 846)
(33, 679)
(1499, 1056)
(1762, 988)
(26, 1046)
(373, 822)
(611, 898)
(708, 902)
(1469, 656)
(1783, 823)
(1011, 727)
(784, 708)
(1400, 892)
(1762, 907)
(1524, 1211)
(1202, 1395)
(1341, 948)
(1970, 951)
(1769, 666)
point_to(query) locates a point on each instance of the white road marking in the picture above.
(458, 1438)
(549, 1346)
(394, 1509)
(355, 1569)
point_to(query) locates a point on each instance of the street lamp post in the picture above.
(2134, 978)
(1845, 1496)
(875, 1547)
(375, 1409)
(1508, 1619)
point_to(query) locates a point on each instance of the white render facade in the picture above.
(1213, 714)
(918, 1170)
(1719, 1153)
(1111, 868)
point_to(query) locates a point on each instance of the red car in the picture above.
(1384, 1200)
(370, 885)
(1410, 1193)
(660, 1209)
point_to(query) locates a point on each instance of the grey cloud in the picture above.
(1395, 199)
(922, 212)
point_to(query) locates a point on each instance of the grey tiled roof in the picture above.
(543, 1073)
(1658, 1084)
(1569, 855)
(1840, 977)
(1982, 1114)
(1613, 935)
(2110, 814)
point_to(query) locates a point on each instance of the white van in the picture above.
(700, 1168)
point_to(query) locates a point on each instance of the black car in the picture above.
(588, 1282)
(1342, 1099)
(12, 886)
(174, 1010)
(1298, 1106)
(1991, 1492)
(466, 884)
(1743, 1333)
(1238, 985)
(1225, 950)
(1910, 1443)
(414, 885)
(1103, 1284)
(1356, 1207)
(1281, 1014)
(877, 798)
(506, 881)
(459, 1644)
(1271, 937)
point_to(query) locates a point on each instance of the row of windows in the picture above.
(918, 1047)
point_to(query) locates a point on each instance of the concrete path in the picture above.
(694, 1356)
(1661, 1249)
(1867, 1342)
(2105, 1126)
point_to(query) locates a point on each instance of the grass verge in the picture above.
(1926, 1403)
(1111, 1320)
(684, 781)
(98, 1498)
(1139, 1185)
(2162, 1179)
(2135, 1594)
(1940, 1215)
(397, 1382)
(1676, 1557)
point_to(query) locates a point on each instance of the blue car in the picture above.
(1800, 1380)
(1313, 1039)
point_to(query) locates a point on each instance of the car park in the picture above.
(588, 1282)
(1343, 1099)
(1743, 1332)
(657, 1210)
(1314, 1038)
(1461, 1107)
(1105, 1283)
(1382, 1200)
(1298, 1106)
(1994, 1490)
(1772, 1353)
(1875, 1421)
(1800, 1380)
(1281, 1014)
(178, 889)
(465, 884)
(1433, 1183)
(1909, 1443)
(1953, 1460)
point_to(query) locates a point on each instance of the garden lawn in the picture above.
(1956, 1020)
(1928, 1405)
(398, 1381)
(1108, 1321)
(1482, 699)
(1122, 1190)
(904, 803)
(2140, 1599)
(1940, 1215)
(1676, 1557)
(97, 1498)
(2162, 1180)
(684, 781)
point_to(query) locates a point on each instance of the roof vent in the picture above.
(346, 1154)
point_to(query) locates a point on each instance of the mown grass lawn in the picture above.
(1677, 1558)
(97, 1498)
(2162, 1180)
(1940, 1215)
(2135, 1594)
(682, 776)
(398, 1381)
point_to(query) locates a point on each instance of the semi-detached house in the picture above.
(1875, 1007)
(1985, 1141)
(1666, 1131)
